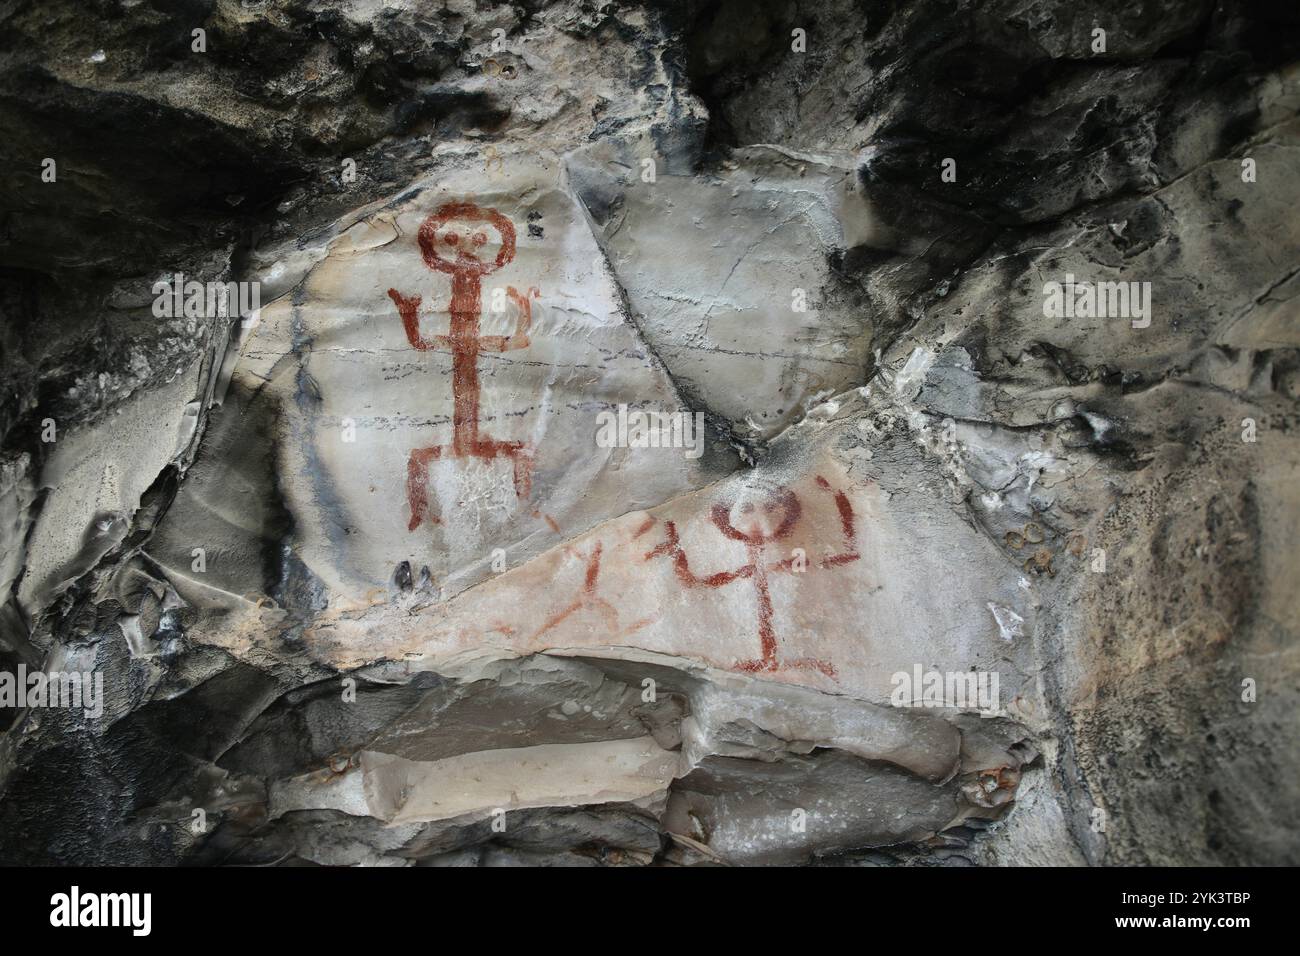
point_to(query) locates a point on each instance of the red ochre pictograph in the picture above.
(783, 509)
(450, 241)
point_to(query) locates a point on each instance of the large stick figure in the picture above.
(456, 239)
(757, 521)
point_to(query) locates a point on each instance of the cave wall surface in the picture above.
(366, 574)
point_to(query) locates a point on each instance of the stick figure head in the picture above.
(758, 515)
(461, 237)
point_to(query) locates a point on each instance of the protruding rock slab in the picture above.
(820, 579)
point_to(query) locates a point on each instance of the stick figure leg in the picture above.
(417, 484)
(521, 459)
(813, 664)
(770, 665)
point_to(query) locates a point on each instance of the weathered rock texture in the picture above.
(365, 584)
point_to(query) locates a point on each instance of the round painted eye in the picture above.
(748, 509)
(451, 239)
(479, 238)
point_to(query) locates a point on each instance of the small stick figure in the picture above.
(462, 228)
(762, 523)
(589, 600)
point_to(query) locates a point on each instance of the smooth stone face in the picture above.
(398, 791)
(729, 275)
(496, 405)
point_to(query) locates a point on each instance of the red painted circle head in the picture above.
(757, 516)
(463, 237)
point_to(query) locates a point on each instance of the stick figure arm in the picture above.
(835, 560)
(409, 309)
(682, 566)
(523, 322)
(850, 552)
(670, 546)
(723, 577)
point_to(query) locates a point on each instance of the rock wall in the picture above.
(860, 432)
